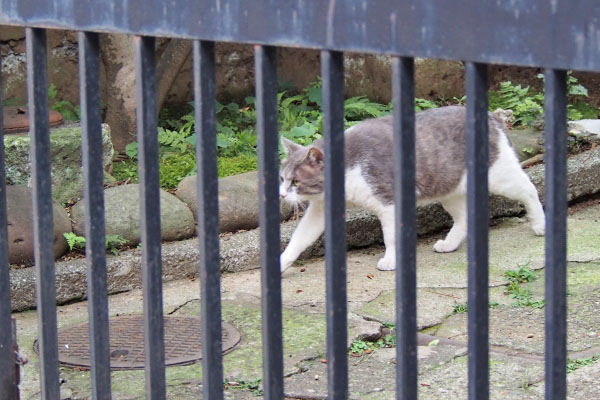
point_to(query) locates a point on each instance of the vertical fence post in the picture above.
(405, 225)
(555, 111)
(8, 379)
(332, 70)
(37, 93)
(208, 219)
(93, 189)
(477, 222)
(147, 135)
(269, 220)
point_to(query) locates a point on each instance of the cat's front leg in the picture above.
(386, 217)
(309, 229)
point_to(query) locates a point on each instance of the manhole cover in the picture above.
(182, 342)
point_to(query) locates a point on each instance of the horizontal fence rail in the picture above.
(555, 34)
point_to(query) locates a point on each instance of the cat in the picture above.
(440, 176)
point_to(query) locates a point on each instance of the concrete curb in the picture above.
(240, 251)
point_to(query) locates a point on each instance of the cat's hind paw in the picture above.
(539, 228)
(285, 263)
(444, 246)
(386, 264)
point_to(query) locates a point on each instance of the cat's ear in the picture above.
(315, 157)
(289, 146)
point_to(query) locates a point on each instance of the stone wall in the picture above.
(365, 74)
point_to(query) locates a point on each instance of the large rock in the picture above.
(65, 160)
(583, 172)
(238, 201)
(122, 215)
(20, 226)
(526, 142)
(589, 129)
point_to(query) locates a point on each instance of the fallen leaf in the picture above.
(299, 291)
(370, 276)
(302, 269)
(324, 360)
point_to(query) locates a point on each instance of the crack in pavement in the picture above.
(179, 307)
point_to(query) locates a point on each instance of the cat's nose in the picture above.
(282, 193)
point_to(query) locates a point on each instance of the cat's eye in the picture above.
(295, 182)
(281, 179)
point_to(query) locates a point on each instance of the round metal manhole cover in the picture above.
(182, 342)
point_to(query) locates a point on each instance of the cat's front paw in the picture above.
(386, 264)
(444, 246)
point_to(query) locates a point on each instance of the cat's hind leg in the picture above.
(506, 178)
(515, 185)
(456, 206)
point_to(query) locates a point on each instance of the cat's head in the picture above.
(302, 173)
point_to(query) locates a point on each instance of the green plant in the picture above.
(528, 106)
(74, 241)
(360, 347)
(173, 167)
(125, 170)
(461, 101)
(577, 363)
(523, 274)
(242, 384)
(459, 308)
(69, 111)
(424, 104)
(522, 295)
(113, 242)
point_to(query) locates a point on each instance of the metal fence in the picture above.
(557, 35)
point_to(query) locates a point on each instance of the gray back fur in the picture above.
(440, 151)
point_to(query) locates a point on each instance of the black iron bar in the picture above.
(406, 227)
(93, 195)
(37, 94)
(8, 383)
(555, 110)
(208, 218)
(332, 70)
(477, 222)
(147, 135)
(268, 194)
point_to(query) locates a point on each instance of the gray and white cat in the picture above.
(440, 176)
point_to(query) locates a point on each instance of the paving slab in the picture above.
(522, 328)
(516, 333)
